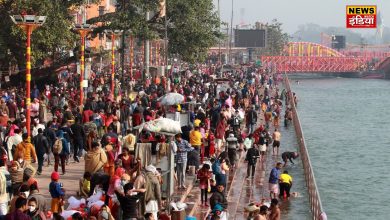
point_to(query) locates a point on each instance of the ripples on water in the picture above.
(346, 123)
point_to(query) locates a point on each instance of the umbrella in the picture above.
(171, 99)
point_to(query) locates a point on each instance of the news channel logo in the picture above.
(361, 16)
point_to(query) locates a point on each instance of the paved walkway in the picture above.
(242, 191)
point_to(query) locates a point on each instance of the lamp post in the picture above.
(131, 55)
(82, 30)
(28, 23)
(113, 33)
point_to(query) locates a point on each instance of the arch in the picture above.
(309, 49)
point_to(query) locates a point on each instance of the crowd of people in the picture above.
(122, 178)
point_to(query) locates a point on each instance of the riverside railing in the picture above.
(316, 208)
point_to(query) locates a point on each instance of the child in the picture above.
(85, 184)
(57, 193)
(204, 176)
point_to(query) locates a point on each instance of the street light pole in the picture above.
(231, 34)
(28, 23)
(114, 34)
(131, 55)
(83, 31)
(112, 64)
(146, 53)
(219, 40)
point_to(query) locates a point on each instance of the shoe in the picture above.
(206, 205)
(39, 173)
(63, 173)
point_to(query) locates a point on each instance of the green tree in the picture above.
(55, 35)
(193, 26)
(276, 39)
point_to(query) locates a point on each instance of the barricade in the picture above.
(316, 208)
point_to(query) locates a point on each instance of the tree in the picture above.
(55, 35)
(276, 39)
(193, 26)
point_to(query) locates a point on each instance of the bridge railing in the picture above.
(314, 196)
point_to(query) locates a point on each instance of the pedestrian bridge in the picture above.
(301, 57)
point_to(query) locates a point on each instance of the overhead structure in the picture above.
(301, 57)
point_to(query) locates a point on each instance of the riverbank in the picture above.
(346, 126)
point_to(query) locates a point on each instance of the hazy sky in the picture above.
(295, 12)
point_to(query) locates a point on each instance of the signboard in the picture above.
(361, 16)
(249, 38)
(338, 42)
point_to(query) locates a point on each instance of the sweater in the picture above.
(218, 198)
(27, 149)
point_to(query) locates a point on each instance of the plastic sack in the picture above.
(168, 125)
(97, 204)
(94, 198)
(74, 203)
(152, 126)
(224, 216)
(68, 213)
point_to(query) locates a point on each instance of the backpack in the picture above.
(57, 147)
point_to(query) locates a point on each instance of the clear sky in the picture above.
(295, 12)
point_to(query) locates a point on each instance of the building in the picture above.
(88, 11)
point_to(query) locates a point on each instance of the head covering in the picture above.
(217, 207)
(151, 169)
(197, 122)
(55, 176)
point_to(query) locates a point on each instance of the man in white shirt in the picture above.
(13, 141)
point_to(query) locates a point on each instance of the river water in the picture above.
(346, 123)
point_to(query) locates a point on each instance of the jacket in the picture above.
(252, 155)
(41, 200)
(129, 205)
(65, 144)
(55, 190)
(252, 117)
(50, 134)
(218, 198)
(41, 144)
(28, 151)
(17, 215)
(77, 131)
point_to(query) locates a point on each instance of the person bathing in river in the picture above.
(289, 156)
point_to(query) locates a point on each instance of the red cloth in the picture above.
(203, 176)
(86, 115)
(136, 119)
(220, 130)
(211, 144)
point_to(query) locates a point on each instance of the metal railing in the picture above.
(314, 196)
